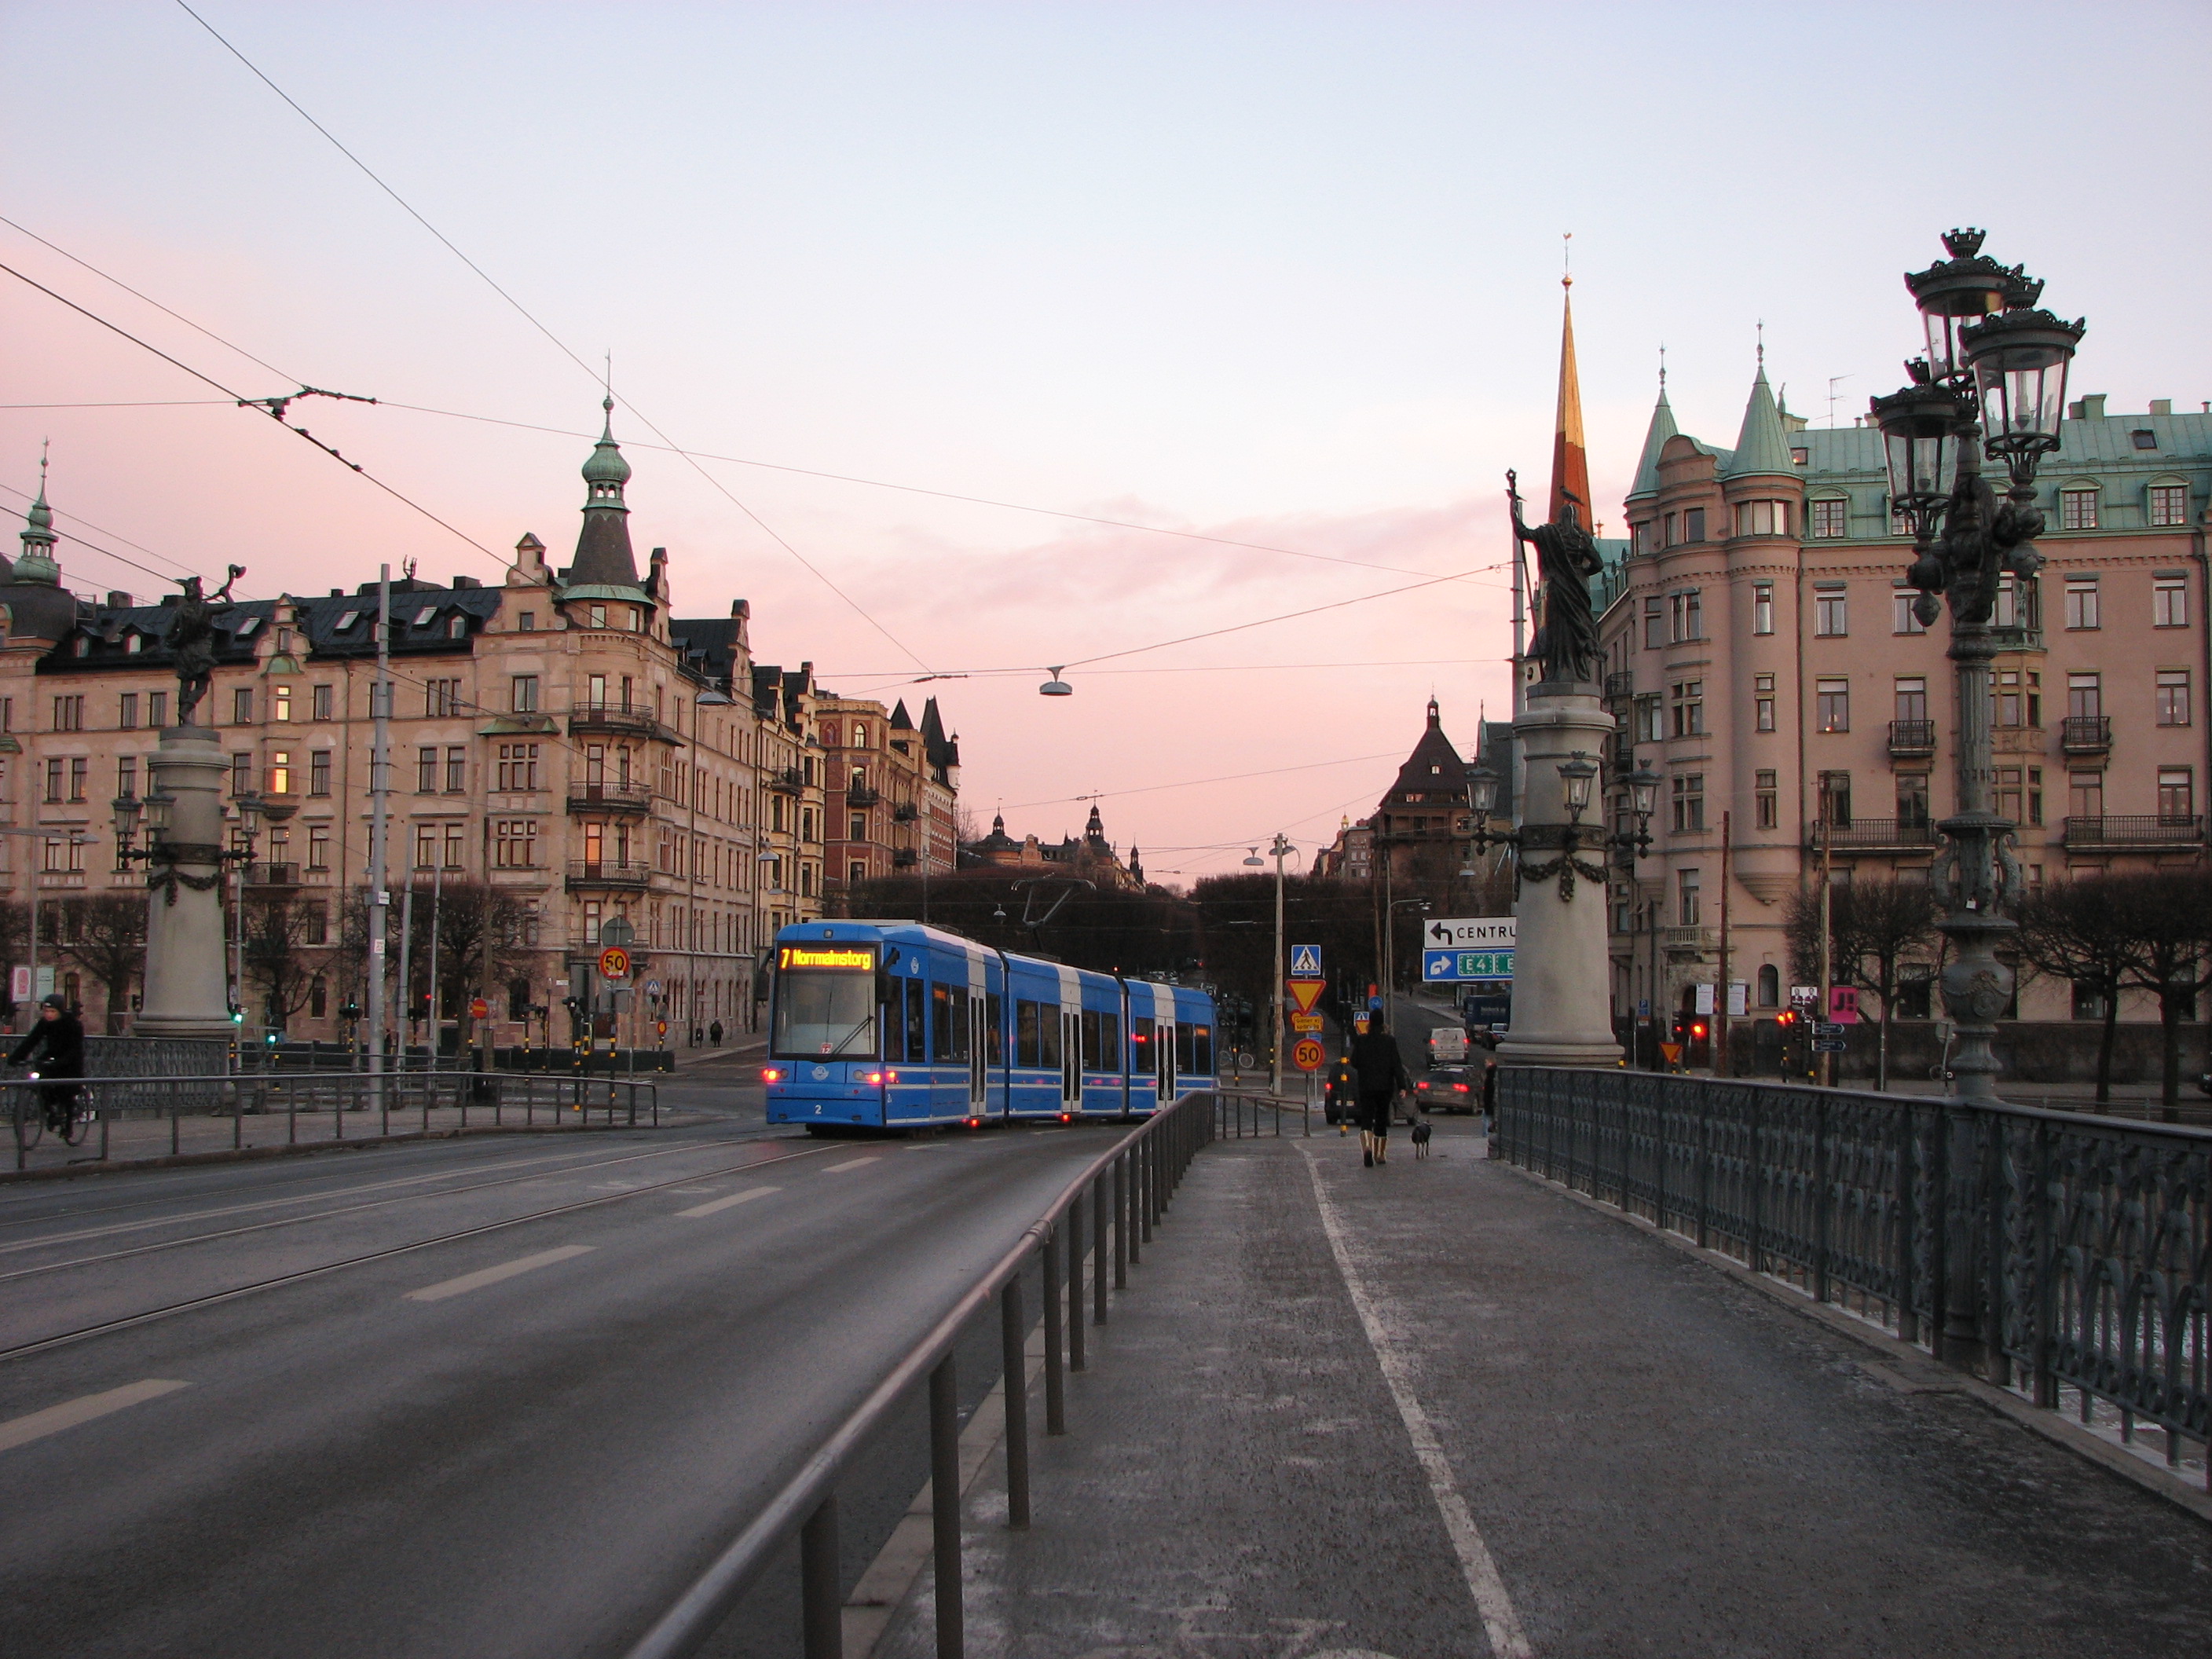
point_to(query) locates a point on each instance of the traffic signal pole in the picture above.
(379, 783)
(1277, 990)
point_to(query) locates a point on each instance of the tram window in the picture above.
(1049, 1035)
(917, 1031)
(948, 1012)
(994, 1039)
(1140, 1038)
(1205, 1037)
(1025, 1032)
(1091, 1061)
(1109, 1042)
(1186, 1059)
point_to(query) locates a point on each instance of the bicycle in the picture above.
(32, 1118)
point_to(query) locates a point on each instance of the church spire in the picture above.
(1570, 462)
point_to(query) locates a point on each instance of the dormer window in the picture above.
(82, 646)
(457, 628)
(425, 617)
(245, 628)
(346, 621)
(133, 643)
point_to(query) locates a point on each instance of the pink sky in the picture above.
(1286, 276)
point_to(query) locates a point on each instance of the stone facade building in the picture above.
(562, 737)
(891, 791)
(1763, 658)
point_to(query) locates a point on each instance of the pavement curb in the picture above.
(1910, 1369)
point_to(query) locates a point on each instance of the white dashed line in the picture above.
(721, 1204)
(849, 1163)
(22, 1430)
(483, 1276)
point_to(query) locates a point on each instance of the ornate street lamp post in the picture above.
(1992, 384)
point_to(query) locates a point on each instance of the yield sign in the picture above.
(1307, 993)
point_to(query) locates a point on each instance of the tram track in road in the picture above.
(420, 1183)
(130, 1321)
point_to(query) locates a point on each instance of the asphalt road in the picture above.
(486, 1397)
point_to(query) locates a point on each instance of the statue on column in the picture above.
(191, 639)
(1565, 641)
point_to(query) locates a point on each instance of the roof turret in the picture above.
(604, 559)
(1662, 428)
(36, 562)
(1762, 448)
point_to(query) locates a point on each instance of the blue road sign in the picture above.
(1451, 967)
(1306, 961)
(1827, 1045)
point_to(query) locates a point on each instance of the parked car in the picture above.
(1447, 1045)
(1450, 1088)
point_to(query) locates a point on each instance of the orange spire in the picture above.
(1570, 465)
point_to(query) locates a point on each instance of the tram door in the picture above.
(1164, 1055)
(979, 1055)
(1071, 1060)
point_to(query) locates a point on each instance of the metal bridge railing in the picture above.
(1124, 1192)
(2048, 1250)
(137, 1117)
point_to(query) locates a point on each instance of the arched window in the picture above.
(2166, 500)
(1770, 985)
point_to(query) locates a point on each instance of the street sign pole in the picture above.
(1276, 1055)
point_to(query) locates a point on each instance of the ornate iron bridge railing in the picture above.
(2047, 1250)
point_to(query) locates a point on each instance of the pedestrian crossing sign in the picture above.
(1306, 961)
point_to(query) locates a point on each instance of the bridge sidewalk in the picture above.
(1483, 1417)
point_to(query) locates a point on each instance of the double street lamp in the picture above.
(1578, 776)
(1992, 385)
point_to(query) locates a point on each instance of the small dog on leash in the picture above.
(1421, 1139)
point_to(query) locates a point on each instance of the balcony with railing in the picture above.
(610, 798)
(586, 873)
(905, 859)
(2137, 829)
(1688, 938)
(1622, 684)
(621, 719)
(1911, 739)
(1872, 835)
(860, 794)
(905, 813)
(273, 875)
(2085, 734)
(790, 780)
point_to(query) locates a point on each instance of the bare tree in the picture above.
(480, 934)
(2167, 916)
(1873, 928)
(104, 934)
(2074, 931)
(286, 948)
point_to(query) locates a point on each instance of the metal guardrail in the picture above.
(2047, 1250)
(1128, 1187)
(407, 1100)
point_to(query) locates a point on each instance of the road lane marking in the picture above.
(849, 1163)
(721, 1204)
(483, 1276)
(1499, 1622)
(22, 1430)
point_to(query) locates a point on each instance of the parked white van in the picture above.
(1447, 1045)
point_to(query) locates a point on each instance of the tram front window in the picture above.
(825, 1003)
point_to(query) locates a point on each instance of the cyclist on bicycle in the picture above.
(60, 1035)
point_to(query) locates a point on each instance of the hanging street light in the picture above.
(1056, 687)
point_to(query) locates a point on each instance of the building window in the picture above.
(856, 871)
(68, 714)
(2085, 795)
(1689, 708)
(1762, 607)
(2016, 698)
(2176, 796)
(1827, 520)
(1901, 618)
(2085, 695)
(1762, 518)
(2173, 696)
(456, 845)
(425, 847)
(319, 772)
(2169, 504)
(1833, 704)
(1763, 702)
(319, 847)
(2008, 794)
(1768, 799)
(1912, 697)
(157, 711)
(2082, 602)
(457, 628)
(1913, 799)
(2169, 602)
(1694, 525)
(1650, 720)
(859, 827)
(281, 696)
(514, 843)
(522, 694)
(441, 698)
(1835, 797)
(1686, 898)
(1655, 622)
(242, 774)
(518, 766)
(2077, 510)
(1689, 616)
(126, 715)
(599, 616)
(1689, 801)
(280, 772)
(1831, 617)
(53, 779)
(457, 769)
(426, 771)
(241, 706)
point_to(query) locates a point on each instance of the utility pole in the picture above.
(379, 785)
(1827, 892)
(437, 915)
(1275, 997)
(1721, 1013)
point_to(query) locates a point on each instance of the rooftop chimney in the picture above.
(2161, 405)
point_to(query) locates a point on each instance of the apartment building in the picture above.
(1762, 657)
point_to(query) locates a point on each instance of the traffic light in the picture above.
(1787, 1017)
(1697, 1030)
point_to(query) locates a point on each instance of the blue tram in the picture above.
(891, 1024)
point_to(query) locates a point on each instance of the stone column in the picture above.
(1562, 1013)
(186, 972)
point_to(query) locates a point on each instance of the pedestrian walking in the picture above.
(1341, 1103)
(1382, 1078)
(715, 1034)
(1489, 1094)
(57, 1038)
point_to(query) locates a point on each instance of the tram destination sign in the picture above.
(1450, 967)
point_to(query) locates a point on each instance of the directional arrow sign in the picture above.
(1306, 961)
(1470, 933)
(1450, 967)
(1307, 991)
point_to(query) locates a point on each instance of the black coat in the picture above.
(61, 1039)
(1382, 1068)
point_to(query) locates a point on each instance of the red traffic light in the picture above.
(1697, 1028)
